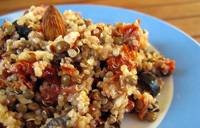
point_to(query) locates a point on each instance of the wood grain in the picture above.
(184, 14)
(197, 39)
(7, 5)
(173, 11)
(187, 25)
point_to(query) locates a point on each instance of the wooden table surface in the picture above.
(184, 14)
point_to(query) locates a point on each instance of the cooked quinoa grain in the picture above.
(90, 75)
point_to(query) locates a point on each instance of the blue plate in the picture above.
(174, 44)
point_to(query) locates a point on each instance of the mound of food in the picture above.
(61, 70)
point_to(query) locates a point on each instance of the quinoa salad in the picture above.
(61, 70)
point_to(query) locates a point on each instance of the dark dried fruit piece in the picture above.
(21, 30)
(151, 83)
(58, 122)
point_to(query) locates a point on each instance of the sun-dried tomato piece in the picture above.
(143, 111)
(127, 57)
(40, 29)
(130, 29)
(50, 74)
(24, 69)
(171, 64)
(130, 105)
(71, 89)
(67, 70)
(49, 94)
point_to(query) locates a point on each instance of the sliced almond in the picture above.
(4, 24)
(53, 24)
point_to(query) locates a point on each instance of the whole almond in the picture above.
(53, 24)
